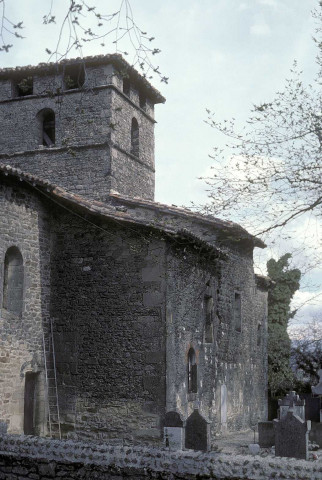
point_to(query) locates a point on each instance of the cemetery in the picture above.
(133, 334)
(288, 447)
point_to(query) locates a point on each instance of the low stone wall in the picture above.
(34, 458)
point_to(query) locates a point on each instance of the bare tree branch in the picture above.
(76, 30)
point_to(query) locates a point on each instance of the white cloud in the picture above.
(260, 29)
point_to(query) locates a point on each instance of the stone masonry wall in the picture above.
(122, 113)
(69, 168)
(86, 122)
(48, 82)
(108, 309)
(129, 177)
(41, 459)
(112, 286)
(81, 118)
(23, 224)
(233, 361)
(260, 392)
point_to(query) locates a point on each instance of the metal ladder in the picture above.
(51, 382)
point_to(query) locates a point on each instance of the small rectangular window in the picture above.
(259, 334)
(237, 312)
(192, 372)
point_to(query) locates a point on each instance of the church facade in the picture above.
(116, 312)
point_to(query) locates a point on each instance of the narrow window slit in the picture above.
(192, 372)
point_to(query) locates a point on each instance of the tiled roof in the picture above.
(186, 212)
(115, 58)
(32, 179)
(126, 209)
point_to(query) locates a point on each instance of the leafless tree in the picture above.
(306, 351)
(75, 31)
(270, 171)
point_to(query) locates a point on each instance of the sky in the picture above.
(224, 55)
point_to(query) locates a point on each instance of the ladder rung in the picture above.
(51, 380)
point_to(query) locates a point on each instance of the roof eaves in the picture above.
(31, 179)
(185, 212)
(109, 210)
(114, 58)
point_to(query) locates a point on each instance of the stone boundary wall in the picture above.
(25, 457)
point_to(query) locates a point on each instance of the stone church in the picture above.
(119, 316)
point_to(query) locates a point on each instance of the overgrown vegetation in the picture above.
(286, 283)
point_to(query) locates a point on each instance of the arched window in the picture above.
(46, 119)
(135, 144)
(192, 371)
(13, 281)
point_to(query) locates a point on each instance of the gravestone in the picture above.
(266, 434)
(254, 448)
(292, 436)
(291, 400)
(197, 432)
(312, 407)
(173, 431)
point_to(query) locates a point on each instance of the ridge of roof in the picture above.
(117, 213)
(184, 211)
(114, 58)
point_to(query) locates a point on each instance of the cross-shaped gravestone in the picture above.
(291, 400)
(292, 436)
